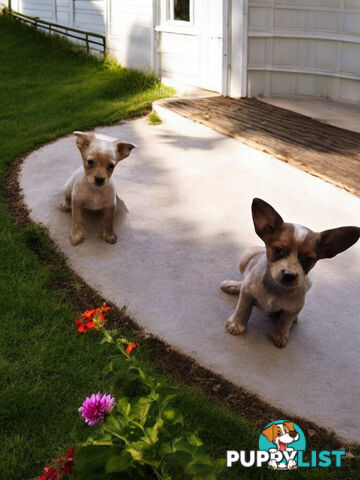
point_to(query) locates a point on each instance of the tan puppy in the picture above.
(91, 186)
(276, 277)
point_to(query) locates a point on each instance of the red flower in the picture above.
(130, 348)
(70, 452)
(92, 319)
(90, 313)
(64, 466)
(49, 474)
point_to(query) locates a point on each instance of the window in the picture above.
(182, 10)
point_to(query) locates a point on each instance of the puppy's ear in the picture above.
(336, 240)
(289, 426)
(265, 217)
(83, 140)
(270, 433)
(123, 149)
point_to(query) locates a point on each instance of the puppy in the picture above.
(91, 186)
(282, 434)
(276, 278)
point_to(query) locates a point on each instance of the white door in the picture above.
(191, 44)
(213, 44)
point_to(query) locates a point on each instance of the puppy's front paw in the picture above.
(65, 207)
(110, 238)
(234, 327)
(279, 339)
(75, 239)
(230, 287)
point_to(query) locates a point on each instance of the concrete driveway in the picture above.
(188, 190)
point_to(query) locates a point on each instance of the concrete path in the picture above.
(188, 190)
(339, 114)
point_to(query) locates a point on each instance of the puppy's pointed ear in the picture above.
(83, 140)
(269, 433)
(289, 425)
(265, 217)
(336, 240)
(123, 149)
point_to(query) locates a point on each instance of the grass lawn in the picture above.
(47, 90)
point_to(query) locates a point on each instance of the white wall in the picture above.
(130, 31)
(128, 24)
(307, 47)
(36, 8)
(89, 15)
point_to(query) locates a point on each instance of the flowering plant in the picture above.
(141, 434)
(63, 467)
(92, 319)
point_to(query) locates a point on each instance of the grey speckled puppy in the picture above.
(276, 278)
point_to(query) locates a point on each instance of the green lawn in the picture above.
(48, 90)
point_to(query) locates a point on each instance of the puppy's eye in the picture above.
(90, 163)
(110, 166)
(279, 432)
(278, 251)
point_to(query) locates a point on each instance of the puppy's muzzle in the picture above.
(288, 278)
(99, 181)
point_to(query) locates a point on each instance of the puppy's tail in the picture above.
(248, 255)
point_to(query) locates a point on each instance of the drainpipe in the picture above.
(9, 5)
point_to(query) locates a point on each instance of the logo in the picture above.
(283, 440)
(282, 445)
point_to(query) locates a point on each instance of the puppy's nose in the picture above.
(288, 277)
(99, 181)
(293, 434)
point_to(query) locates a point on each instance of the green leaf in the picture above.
(201, 469)
(177, 462)
(112, 422)
(173, 416)
(135, 453)
(123, 405)
(210, 476)
(140, 409)
(119, 463)
(182, 445)
(166, 448)
(193, 439)
(92, 459)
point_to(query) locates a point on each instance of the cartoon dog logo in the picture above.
(282, 435)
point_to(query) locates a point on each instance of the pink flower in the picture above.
(95, 407)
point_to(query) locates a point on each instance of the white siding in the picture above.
(63, 12)
(90, 15)
(130, 31)
(87, 15)
(309, 47)
(36, 8)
